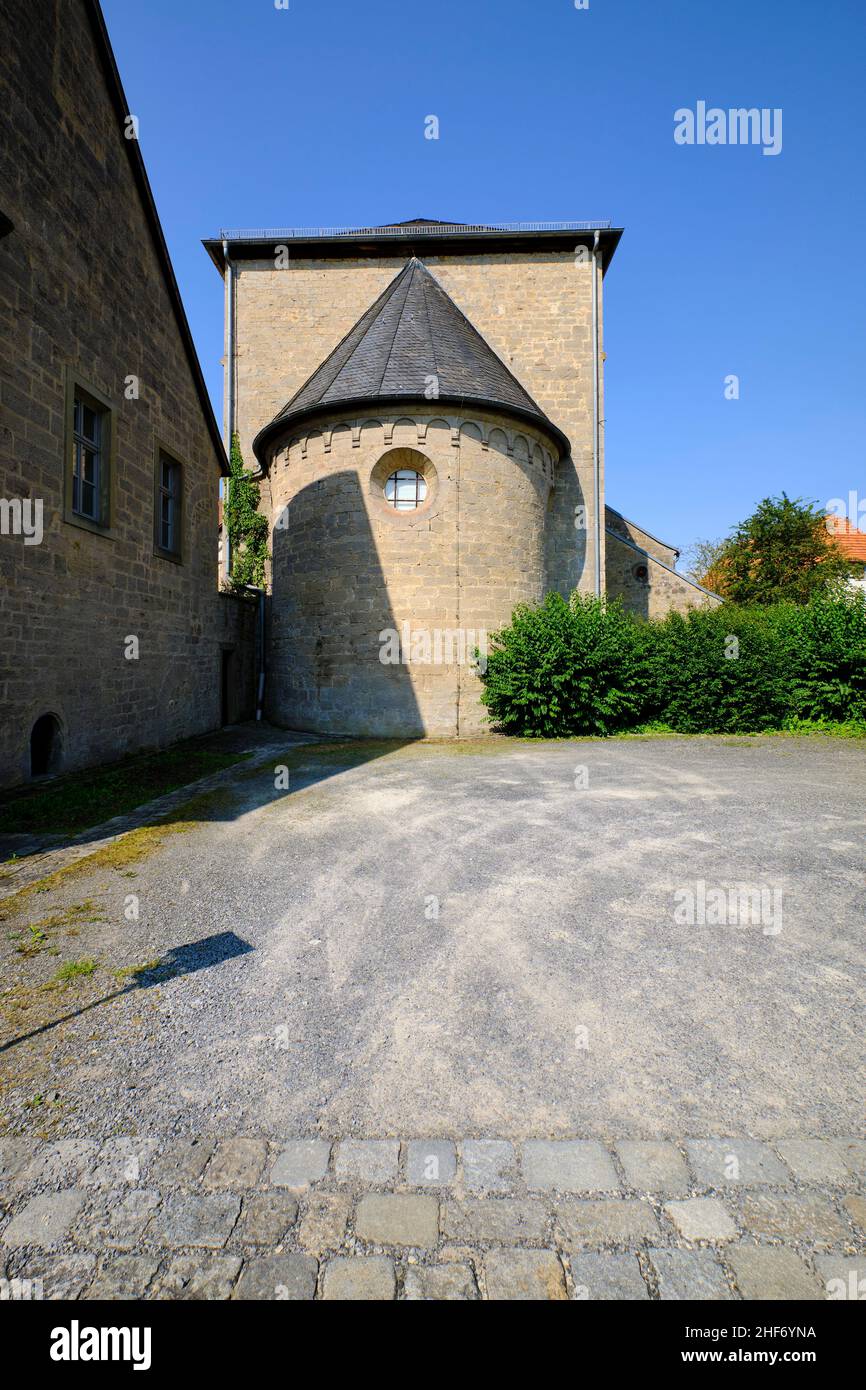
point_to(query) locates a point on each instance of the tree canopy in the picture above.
(782, 552)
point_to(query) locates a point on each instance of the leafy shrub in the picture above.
(566, 667)
(586, 667)
(720, 670)
(828, 650)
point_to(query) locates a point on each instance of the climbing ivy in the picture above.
(246, 527)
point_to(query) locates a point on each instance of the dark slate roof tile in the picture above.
(414, 331)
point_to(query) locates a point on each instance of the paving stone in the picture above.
(62, 1276)
(282, 1277)
(18, 1288)
(793, 1216)
(196, 1219)
(689, 1274)
(613, 1277)
(569, 1165)
(209, 1277)
(45, 1221)
(16, 1152)
(359, 1278)
(620, 1222)
(653, 1166)
(857, 1211)
(124, 1277)
(733, 1162)
(430, 1162)
(118, 1219)
(237, 1163)
(813, 1160)
(498, 1219)
(489, 1165)
(451, 1283)
(182, 1163)
(395, 1219)
(367, 1160)
(842, 1278)
(301, 1162)
(324, 1222)
(123, 1159)
(853, 1154)
(702, 1218)
(524, 1275)
(265, 1218)
(56, 1165)
(766, 1273)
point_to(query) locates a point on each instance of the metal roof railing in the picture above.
(407, 229)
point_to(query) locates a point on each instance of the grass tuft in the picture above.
(74, 970)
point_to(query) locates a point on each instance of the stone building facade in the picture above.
(528, 295)
(377, 613)
(463, 357)
(115, 637)
(641, 570)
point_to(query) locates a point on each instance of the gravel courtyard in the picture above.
(457, 941)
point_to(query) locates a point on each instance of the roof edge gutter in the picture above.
(418, 242)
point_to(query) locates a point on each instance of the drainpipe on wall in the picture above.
(596, 432)
(230, 396)
(260, 683)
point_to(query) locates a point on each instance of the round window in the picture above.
(405, 490)
(641, 573)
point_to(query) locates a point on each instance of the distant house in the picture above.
(849, 538)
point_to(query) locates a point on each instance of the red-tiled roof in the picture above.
(848, 537)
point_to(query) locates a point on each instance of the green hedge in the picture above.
(586, 667)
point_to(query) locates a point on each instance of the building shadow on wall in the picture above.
(329, 610)
(567, 550)
(329, 606)
(630, 574)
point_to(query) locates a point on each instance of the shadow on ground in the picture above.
(180, 960)
(291, 765)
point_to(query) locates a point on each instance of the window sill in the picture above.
(73, 519)
(169, 555)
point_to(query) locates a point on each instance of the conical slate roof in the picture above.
(411, 339)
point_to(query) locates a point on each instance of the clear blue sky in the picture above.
(731, 262)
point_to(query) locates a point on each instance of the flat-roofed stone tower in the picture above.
(437, 463)
(411, 480)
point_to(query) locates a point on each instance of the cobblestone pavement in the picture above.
(479, 943)
(252, 1218)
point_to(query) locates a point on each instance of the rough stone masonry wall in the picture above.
(533, 309)
(629, 531)
(81, 288)
(662, 592)
(347, 567)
